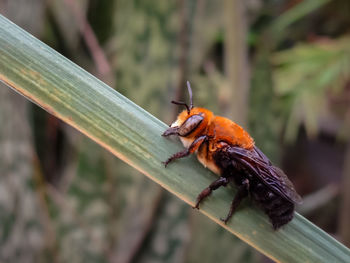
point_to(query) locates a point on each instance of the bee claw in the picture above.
(224, 220)
(196, 206)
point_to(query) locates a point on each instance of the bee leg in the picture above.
(193, 147)
(171, 131)
(222, 181)
(177, 155)
(241, 194)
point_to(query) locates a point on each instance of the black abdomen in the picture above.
(277, 208)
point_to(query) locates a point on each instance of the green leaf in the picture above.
(307, 73)
(70, 93)
(295, 13)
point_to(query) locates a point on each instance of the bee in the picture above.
(229, 151)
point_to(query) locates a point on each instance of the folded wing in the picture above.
(256, 163)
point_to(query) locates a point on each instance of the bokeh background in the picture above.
(280, 68)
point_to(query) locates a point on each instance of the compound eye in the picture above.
(190, 125)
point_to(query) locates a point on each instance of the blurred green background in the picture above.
(280, 68)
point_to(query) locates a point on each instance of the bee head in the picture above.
(191, 121)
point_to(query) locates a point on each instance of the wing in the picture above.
(256, 163)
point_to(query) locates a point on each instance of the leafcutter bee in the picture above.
(229, 151)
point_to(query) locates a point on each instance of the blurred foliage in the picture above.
(264, 116)
(99, 22)
(142, 51)
(64, 199)
(306, 76)
(22, 219)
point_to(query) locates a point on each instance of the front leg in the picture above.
(193, 147)
(171, 131)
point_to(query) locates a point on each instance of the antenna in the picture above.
(190, 94)
(183, 104)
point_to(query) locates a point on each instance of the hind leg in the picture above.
(222, 181)
(241, 194)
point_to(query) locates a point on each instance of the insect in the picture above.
(229, 151)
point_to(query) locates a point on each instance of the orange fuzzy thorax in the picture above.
(228, 131)
(217, 128)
